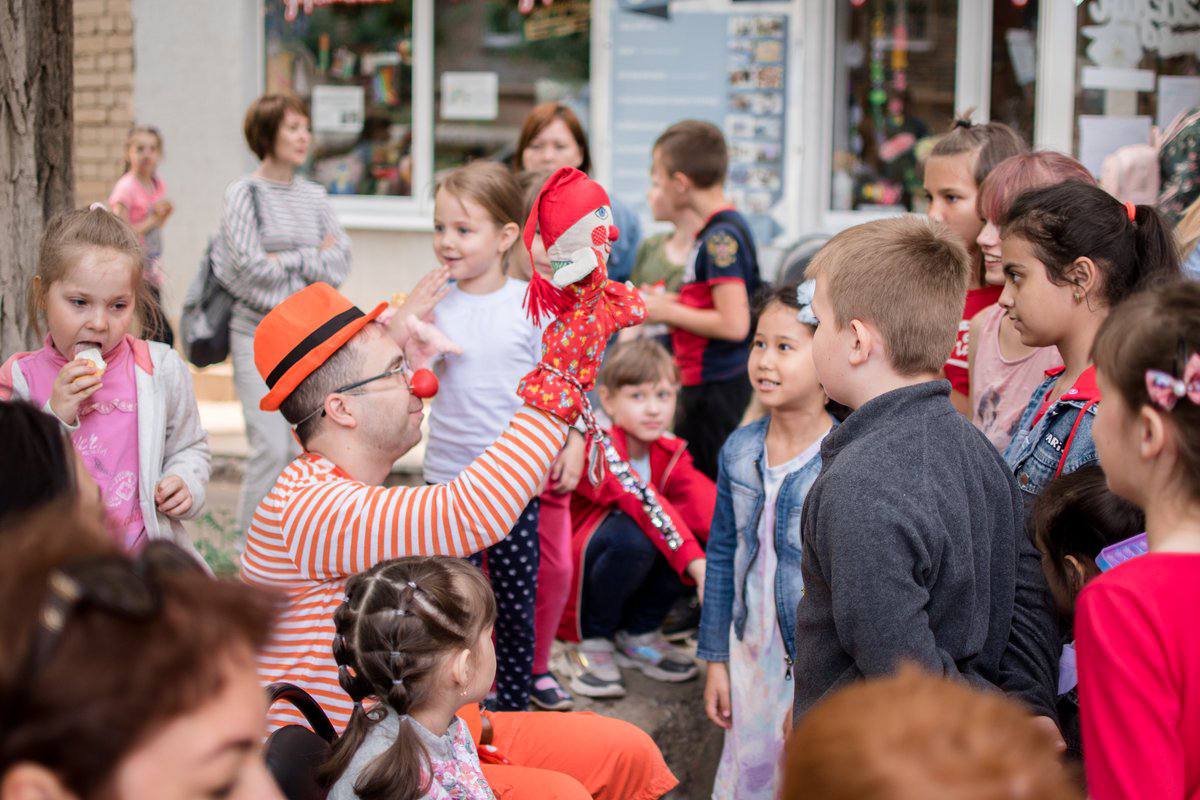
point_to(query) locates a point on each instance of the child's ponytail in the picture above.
(1131, 245)
(398, 622)
(1154, 243)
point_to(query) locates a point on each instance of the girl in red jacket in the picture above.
(627, 573)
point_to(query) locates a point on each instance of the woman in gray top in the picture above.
(278, 235)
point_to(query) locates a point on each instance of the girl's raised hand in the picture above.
(76, 381)
(171, 496)
(716, 695)
(429, 291)
(425, 343)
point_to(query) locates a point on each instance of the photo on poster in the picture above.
(768, 77)
(740, 126)
(768, 52)
(769, 26)
(741, 26)
(742, 78)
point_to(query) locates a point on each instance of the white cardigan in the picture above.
(171, 440)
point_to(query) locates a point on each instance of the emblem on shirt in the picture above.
(722, 249)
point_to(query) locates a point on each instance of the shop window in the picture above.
(352, 64)
(893, 90)
(492, 65)
(1138, 70)
(1014, 64)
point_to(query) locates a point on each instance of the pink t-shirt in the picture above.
(139, 200)
(107, 437)
(1139, 679)
(1002, 387)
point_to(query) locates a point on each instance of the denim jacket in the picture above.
(1038, 453)
(740, 496)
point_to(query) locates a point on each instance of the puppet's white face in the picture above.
(583, 246)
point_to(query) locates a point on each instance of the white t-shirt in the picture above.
(478, 389)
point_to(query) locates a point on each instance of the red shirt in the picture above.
(1139, 679)
(956, 368)
(1085, 389)
(724, 252)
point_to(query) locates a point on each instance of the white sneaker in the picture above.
(655, 657)
(595, 670)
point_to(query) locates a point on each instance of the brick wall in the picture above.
(103, 94)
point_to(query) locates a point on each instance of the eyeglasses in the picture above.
(114, 585)
(401, 370)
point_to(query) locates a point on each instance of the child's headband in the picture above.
(804, 296)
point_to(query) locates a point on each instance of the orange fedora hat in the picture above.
(300, 334)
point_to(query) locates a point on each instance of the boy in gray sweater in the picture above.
(914, 546)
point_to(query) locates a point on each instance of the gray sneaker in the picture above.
(595, 670)
(655, 657)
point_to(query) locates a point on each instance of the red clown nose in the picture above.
(424, 384)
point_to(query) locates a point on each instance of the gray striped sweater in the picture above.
(264, 264)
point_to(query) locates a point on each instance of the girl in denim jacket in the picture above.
(753, 582)
(1071, 253)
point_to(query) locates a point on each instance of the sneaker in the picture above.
(548, 695)
(683, 620)
(654, 656)
(596, 673)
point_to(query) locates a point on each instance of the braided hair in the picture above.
(400, 622)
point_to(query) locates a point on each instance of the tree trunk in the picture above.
(35, 146)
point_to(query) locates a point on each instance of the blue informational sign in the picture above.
(723, 67)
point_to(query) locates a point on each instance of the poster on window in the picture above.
(657, 80)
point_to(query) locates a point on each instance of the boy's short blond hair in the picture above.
(907, 277)
(637, 362)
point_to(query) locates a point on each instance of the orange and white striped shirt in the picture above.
(318, 526)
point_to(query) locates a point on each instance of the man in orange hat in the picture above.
(340, 378)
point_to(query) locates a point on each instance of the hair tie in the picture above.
(804, 298)
(397, 681)
(1131, 210)
(963, 123)
(95, 206)
(399, 612)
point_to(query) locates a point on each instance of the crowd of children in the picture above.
(911, 563)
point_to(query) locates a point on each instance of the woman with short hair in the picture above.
(278, 235)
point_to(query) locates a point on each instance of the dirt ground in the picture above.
(673, 714)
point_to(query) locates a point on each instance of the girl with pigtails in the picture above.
(415, 635)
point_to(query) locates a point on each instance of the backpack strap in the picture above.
(1062, 462)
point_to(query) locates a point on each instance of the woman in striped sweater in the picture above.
(278, 235)
(341, 380)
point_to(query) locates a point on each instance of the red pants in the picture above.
(572, 756)
(554, 574)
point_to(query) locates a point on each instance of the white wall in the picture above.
(197, 66)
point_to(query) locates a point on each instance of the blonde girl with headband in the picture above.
(1135, 630)
(1071, 253)
(127, 404)
(414, 636)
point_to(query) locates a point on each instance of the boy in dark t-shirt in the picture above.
(710, 317)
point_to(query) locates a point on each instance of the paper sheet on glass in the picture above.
(470, 95)
(1176, 94)
(1101, 136)
(338, 109)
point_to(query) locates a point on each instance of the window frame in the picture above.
(367, 212)
(810, 96)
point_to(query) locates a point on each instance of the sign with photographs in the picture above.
(724, 67)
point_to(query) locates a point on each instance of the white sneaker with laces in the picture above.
(655, 657)
(595, 670)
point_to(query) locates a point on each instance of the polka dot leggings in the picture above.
(512, 567)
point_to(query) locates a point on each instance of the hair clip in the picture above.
(963, 123)
(397, 681)
(97, 206)
(1131, 210)
(1166, 390)
(395, 653)
(804, 297)
(400, 612)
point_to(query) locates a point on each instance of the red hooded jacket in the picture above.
(687, 495)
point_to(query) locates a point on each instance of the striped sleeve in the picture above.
(243, 266)
(334, 529)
